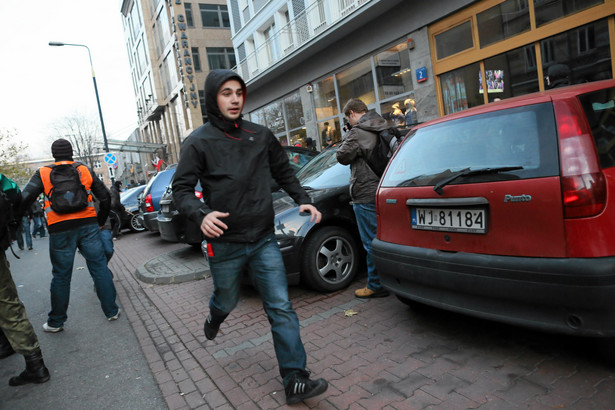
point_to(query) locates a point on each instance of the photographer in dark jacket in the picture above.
(234, 160)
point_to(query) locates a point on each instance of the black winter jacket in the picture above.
(234, 160)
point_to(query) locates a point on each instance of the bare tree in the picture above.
(12, 157)
(83, 133)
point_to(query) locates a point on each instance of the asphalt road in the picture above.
(94, 363)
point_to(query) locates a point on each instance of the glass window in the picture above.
(214, 15)
(220, 57)
(512, 73)
(274, 118)
(329, 132)
(503, 21)
(517, 137)
(258, 117)
(189, 18)
(550, 10)
(203, 108)
(454, 40)
(324, 98)
(577, 56)
(599, 107)
(400, 112)
(294, 111)
(298, 138)
(393, 71)
(196, 58)
(460, 88)
(357, 82)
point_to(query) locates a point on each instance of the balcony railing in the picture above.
(313, 21)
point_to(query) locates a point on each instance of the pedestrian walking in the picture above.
(38, 216)
(234, 160)
(355, 148)
(72, 223)
(117, 207)
(16, 332)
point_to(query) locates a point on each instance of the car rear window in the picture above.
(599, 108)
(516, 137)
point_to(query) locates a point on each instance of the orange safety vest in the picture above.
(86, 180)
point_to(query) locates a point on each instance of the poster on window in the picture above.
(495, 81)
(454, 92)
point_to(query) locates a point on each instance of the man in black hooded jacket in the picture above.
(234, 160)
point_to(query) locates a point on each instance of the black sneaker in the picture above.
(301, 387)
(211, 329)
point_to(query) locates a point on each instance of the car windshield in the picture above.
(324, 172)
(518, 143)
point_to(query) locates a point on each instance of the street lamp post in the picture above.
(102, 123)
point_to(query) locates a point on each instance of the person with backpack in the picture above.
(355, 150)
(16, 332)
(72, 223)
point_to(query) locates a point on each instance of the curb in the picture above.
(178, 266)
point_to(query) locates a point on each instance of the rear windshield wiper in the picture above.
(468, 172)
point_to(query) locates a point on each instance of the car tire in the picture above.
(330, 259)
(135, 224)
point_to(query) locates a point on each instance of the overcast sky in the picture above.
(41, 84)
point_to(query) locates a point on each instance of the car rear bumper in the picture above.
(150, 221)
(175, 228)
(564, 295)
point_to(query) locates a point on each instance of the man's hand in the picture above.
(315, 215)
(213, 227)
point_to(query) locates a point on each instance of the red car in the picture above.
(504, 212)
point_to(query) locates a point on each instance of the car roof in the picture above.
(527, 99)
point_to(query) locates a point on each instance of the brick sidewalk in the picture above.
(384, 357)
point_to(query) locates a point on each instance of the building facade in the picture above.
(410, 61)
(172, 45)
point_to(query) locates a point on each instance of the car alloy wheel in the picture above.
(330, 259)
(135, 223)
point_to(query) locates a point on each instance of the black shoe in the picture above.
(300, 387)
(211, 329)
(35, 372)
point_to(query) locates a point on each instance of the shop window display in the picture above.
(325, 100)
(401, 111)
(294, 111)
(357, 82)
(329, 132)
(274, 117)
(460, 88)
(512, 73)
(393, 73)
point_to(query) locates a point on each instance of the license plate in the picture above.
(449, 219)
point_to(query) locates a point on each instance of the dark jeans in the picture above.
(62, 248)
(22, 230)
(366, 221)
(264, 261)
(39, 226)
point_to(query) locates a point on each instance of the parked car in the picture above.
(150, 201)
(174, 227)
(325, 256)
(130, 199)
(505, 212)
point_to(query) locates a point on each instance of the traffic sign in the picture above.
(110, 158)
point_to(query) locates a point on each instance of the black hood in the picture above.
(214, 81)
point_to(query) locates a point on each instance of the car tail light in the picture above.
(582, 180)
(149, 206)
(198, 194)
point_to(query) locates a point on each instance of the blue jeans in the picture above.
(264, 261)
(107, 239)
(62, 248)
(39, 227)
(366, 221)
(22, 230)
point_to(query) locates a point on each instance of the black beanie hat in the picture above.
(62, 150)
